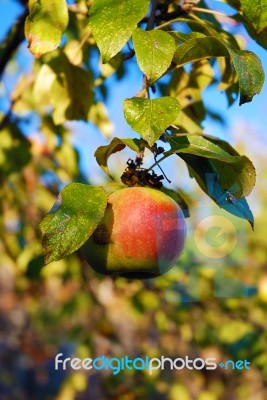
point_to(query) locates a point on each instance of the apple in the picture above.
(141, 235)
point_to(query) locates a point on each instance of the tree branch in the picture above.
(12, 41)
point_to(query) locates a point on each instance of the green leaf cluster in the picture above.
(211, 308)
(45, 25)
(178, 51)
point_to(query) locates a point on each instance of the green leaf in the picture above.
(112, 23)
(184, 37)
(256, 12)
(187, 88)
(150, 118)
(208, 178)
(236, 173)
(247, 64)
(44, 80)
(103, 153)
(66, 87)
(222, 143)
(154, 52)
(14, 151)
(240, 176)
(229, 80)
(72, 219)
(199, 146)
(196, 49)
(250, 73)
(261, 38)
(208, 28)
(72, 94)
(45, 25)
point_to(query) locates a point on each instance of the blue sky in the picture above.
(249, 117)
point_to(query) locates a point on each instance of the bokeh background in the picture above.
(202, 308)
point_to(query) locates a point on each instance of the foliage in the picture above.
(64, 81)
(178, 47)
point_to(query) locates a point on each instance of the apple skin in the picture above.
(141, 235)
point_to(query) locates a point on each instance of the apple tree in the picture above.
(163, 38)
(56, 63)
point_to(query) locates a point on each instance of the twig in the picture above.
(151, 19)
(182, 13)
(204, 10)
(167, 16)
(146, 86)
(156, 164)
(165, 176)
(172, 21)
(129, 55)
